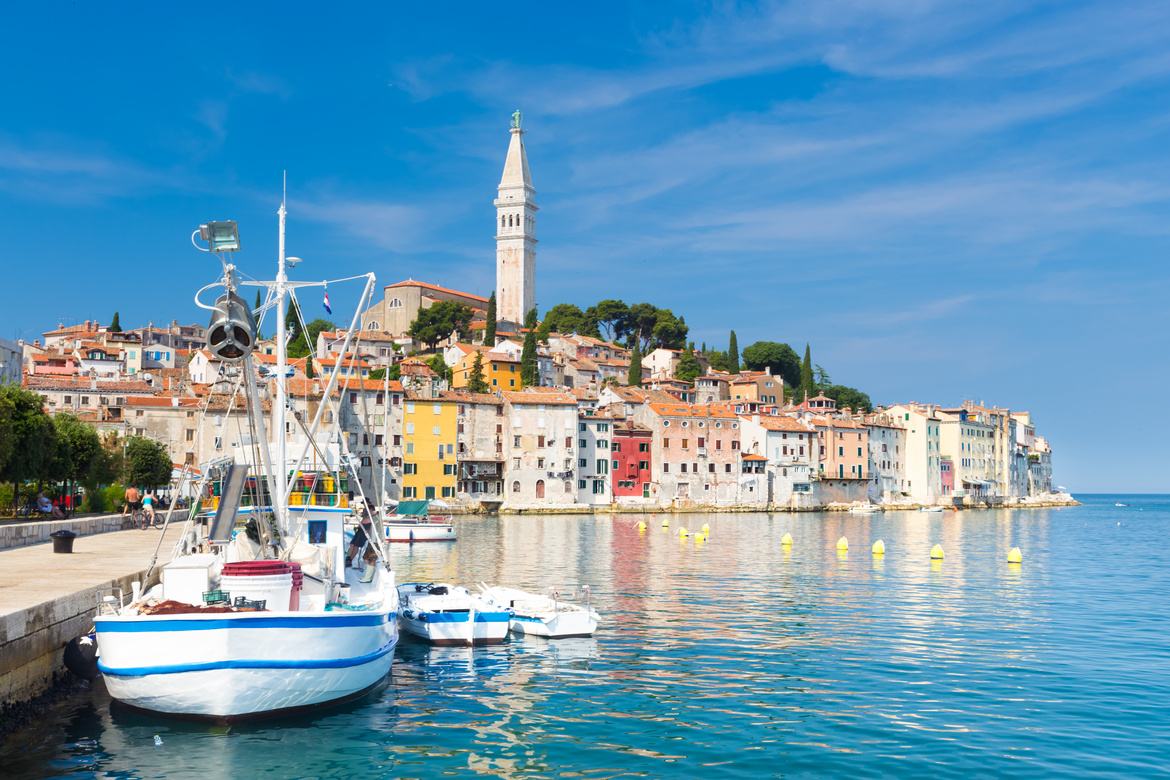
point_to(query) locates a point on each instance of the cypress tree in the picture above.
(476, 382)
(308, 365)
(806, 374)
(688, 366)
(530, 319)
(115, 326)
(529, 373)
(635, 378)
(258, 301)
(733, 355)
(489, 330)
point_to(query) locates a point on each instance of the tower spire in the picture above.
(515, 233)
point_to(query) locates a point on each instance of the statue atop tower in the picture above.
(515, 235)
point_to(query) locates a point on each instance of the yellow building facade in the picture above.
(429, 434)
(499, 371)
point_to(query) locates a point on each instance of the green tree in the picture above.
(305, 343)
(440, 367)
(688, 366)
(33, 438)
(489, 330)
(115, 326)
(807, 384)
(439, 321)
(780, 357)
(309, 366)
(529, 370)
(733, 354)
(849, 396)
(292, 320)
(669, 332)
(147, 463)
(395, 372)
(635, 378)
(608, 319)
(542, 333)
(378, 374)
(259, 301)
(823, 378)
(566, 318)
(81, 458)
(476, 383)
(7, 438)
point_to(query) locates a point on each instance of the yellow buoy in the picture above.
(665, 522)
(879, 547)
(786, 540)
(842, 543)
(936, 553)
(700, 537)
(642, 526)
(1014, 556)
(706, 528)
(682, 531)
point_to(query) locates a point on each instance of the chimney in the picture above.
(93, 381)
(87, 325)
(768, 370)
(175, 401)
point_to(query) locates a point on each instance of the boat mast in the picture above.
(280, 483)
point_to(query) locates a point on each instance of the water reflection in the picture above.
(736, 656)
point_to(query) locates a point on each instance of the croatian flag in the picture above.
(325, 303)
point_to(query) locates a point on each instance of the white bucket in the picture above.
(275, 589)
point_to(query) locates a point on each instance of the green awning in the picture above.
(413, 508)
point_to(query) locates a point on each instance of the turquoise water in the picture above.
(735, 658)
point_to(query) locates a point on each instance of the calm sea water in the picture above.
(737, 658)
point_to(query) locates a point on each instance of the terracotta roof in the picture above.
(166, 401)
(827, 422)
(559, 398)
(690, 410)
(471, 398)
(345, 361)
(425, 286)
(754, 457)
(72, 385)
(641, 395)
(630, 427)
(780, 423)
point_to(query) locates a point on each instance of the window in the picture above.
(598, 487)
(665, 468)
(218, 443)
(686, 443)
(410, 407)
(540, 463)
(410, 448)
(438, 409)
(69, 400)
(365, 460)
(615, 465)
(602, 466)
(448, 492)
(701, 442)
(410, 428)
(540, 441)
(568, 442)
(540, 488)
(617, 446)
(353, 398)
(684, 468)
(435, 430)
(409, 492)
(644, 446)
(448, 469)
(735, 445)
(711, 467)
(581, 484)
(719, 444)
(643, 465)
(603, 444)
(85, 401)
(395, 303)
(409, 468)
(841, 451)
(666, 444)
(859, 452)
(429, 492)
(728, 468)
(190, 434)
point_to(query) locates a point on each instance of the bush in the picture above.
(116, 496)
(95, 502)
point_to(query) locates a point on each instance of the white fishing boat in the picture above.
(444, 614)
(865, 509)
(549, 615)
(412, 521)
(266, 619)
(1120, 504)
(931, 509)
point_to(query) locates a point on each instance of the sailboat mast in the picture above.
(279, 478)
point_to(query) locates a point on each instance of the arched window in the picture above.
(540, 488)
(373, 325)
(515, 487)
(396, 303)
(503, 219)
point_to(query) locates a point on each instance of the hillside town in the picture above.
(476, 403)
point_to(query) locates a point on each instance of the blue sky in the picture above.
(946, 200)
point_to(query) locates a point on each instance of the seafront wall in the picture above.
(37, 531)
(634, 509)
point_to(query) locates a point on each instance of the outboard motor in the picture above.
(81, 656)
(231, 335)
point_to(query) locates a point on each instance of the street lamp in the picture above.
(220, 236)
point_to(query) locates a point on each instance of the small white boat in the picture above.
(865, 509)
(931, 509)
(412, 522)
(548, 616)
(445, 614)
(1120, 504)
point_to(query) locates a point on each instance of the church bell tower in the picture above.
(515, 234)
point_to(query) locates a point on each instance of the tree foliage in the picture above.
(688, 365)
(635, 377)
(147, 463)
(439, 321)
(378, 374)
(733, 354)
(476, 383)
(823, 378)
(608, 318)
(115, 325)
(529, 371)
(849, 396)
(440, 367)
(531, 320)
(566, 318)
(489, 330)
(780, 357)
(33, 444)
(306, 342)
(807, 384)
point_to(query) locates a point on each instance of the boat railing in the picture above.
(108, 603)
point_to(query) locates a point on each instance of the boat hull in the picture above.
(563, 626)
(448, 629)
(243, 665)
(420, 532)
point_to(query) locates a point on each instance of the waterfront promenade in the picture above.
(46, 599)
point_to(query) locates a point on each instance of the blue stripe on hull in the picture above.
(341, 621)
(259, 663)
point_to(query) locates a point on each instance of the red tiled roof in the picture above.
(163, 401)
(425, 286)
(690, 410)
(558, 398)
(780, 423)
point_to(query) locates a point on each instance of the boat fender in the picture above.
(422, 618)
(81, 656)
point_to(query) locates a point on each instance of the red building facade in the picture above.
(633, 469)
